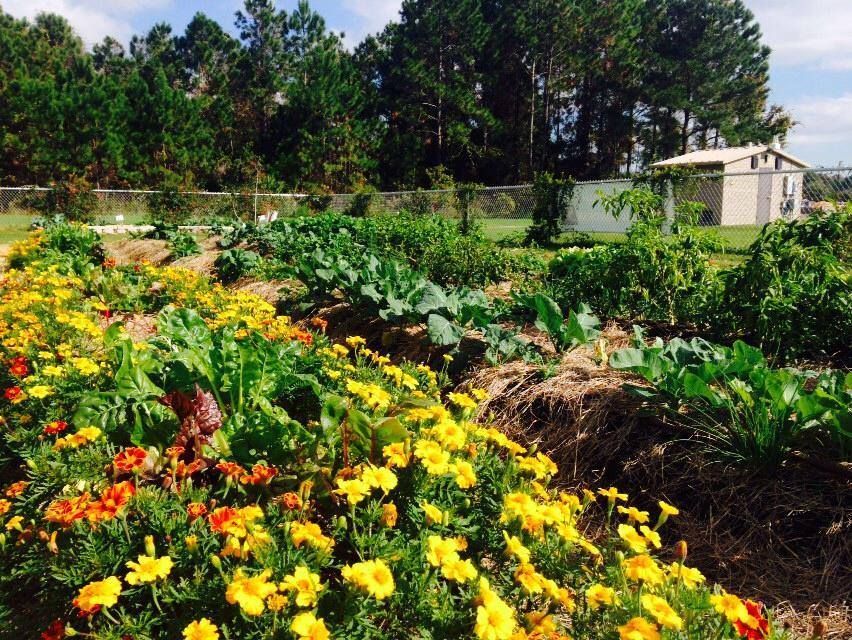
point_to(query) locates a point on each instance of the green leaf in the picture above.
(442, 332)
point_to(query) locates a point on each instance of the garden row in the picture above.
(236, 476)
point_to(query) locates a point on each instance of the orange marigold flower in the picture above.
(55, 427)
(231, 470)
(185, 470)
(112, 501)
(302, 336)
(195, 510)
(221, 518)
(16, 488)
(109, 263)
(5, 505)
(319, 323)
(175, 452)
(66, 511)
(260, 474)
(291, 501)
(129, 460)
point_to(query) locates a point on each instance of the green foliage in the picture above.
(72, 199)
(552, 197)
(170, 205)
(232, 264)
(744, 410)
(579, 329)
(650, 276)
(184, 244)
(793, 294)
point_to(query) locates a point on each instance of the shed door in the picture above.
(764, 196)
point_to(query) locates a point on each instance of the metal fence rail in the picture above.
(737, 204)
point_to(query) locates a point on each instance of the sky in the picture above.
(811, 63)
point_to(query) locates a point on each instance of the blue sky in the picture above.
(811, 66)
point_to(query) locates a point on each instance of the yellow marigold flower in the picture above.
(495, 620)
(668, 509)
(98, 594)
(379, 478)
(449, 434)
(634, 515)
(305, 584)
(462, 400)
(612, 494)
(662, 612)
(396, 455)
(14, 523)
(690, 577)
(372, 576)
(529, 578)
(355, 341)
(86, 366)
(201, 630)
(651, 536)
(250, 592)
(354, 490)
(458, 570)
(516, 548)
(598, 595)
(730, 606)
(642, 568)
(52, 371)
(389, 515)
(479, 394)
(311, 534)
(635, 542)
(148, 569)
(440, 549)
(306, 626)
(638, 629)
(433, 514)
(433, 458)
(40, 391)
(276, 602)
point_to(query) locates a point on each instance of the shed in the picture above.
(756, 184)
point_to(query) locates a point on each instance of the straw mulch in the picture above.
(783, 539)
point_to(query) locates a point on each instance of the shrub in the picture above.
(232, 264)
(651, 276)
(359, 207)
(169, 205)
(792, 295)
(552, 196)
(73, 199)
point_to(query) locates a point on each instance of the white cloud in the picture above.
(808, 33)
(372, 15)
(91, 19)
(824, 121)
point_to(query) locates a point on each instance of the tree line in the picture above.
(486, 91)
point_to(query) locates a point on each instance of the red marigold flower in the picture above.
(66, 511)
(109, 263)
(12, 393)
(16, 488)
(221, 518)
(112, 501)
(260, 474)
(195, 510)
(56, 631)
(129, 460)
(757, 626)
(18, 367)
(55, 427)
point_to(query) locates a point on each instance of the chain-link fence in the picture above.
(737, 204)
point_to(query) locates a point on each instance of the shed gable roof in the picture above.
(726, 156)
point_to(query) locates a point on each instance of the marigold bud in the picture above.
(681, 549)
(216, 562)
(150, 549)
